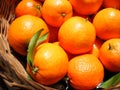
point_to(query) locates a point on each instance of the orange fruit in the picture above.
(111, 3)
(74, 35)
(55, 12)
(22, 29)
(85, 72)
(106, 23)
(52, 63)
(28, 7)
(86, 7)
(96, 46)
(110, 54)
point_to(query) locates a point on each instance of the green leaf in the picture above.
(29, 77)
(31, 47)
(42, 38)
(111, 82)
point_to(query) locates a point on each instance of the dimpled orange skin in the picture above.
(52, 62)
(110, 54)
(85, 72)
(22, 29)
(55, 12)
(106, 23)
(77, 35)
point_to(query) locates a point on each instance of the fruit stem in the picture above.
(38, 7)
(63, 14)
(110, 47)
(86, 19)
(34, 70)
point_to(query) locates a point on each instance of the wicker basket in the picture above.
(12, 72)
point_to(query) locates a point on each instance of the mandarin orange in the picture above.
(85, 72)
(55, 12)
(106, 23)
(52, 63)
(22, 29)
(30, 7)
(109, 54)
(77, 35)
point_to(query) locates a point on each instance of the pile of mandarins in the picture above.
(83, 39)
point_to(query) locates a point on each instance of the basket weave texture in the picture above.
(12, 72)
